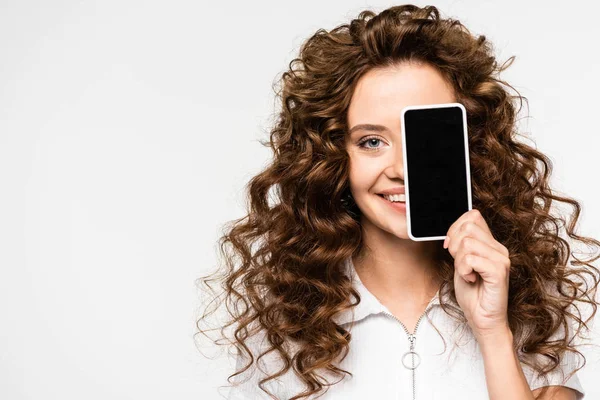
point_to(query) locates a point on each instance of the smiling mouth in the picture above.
(389, 201)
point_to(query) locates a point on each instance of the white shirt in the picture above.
(378, 344)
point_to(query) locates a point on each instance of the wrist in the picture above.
(494, 338)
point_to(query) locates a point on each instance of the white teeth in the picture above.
(395, 197)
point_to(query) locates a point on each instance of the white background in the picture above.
(128, 131)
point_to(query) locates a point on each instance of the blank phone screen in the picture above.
(436, 161)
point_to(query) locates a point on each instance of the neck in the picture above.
(397, 270)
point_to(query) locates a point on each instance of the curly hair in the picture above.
(292, 244)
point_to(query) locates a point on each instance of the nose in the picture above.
(395, 167)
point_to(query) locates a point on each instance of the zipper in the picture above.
(412, 338)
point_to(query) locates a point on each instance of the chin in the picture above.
(393, 226)
(399, 231)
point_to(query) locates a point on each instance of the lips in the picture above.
(399, 206)
(397, 190)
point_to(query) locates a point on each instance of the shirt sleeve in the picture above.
(245, 385)
(559, 376)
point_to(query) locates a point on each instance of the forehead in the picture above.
(382, 93)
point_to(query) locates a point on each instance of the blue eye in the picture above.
(369, 139)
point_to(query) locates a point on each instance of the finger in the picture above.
(475, 247)
(470, 229)
(467, 264)
(475, 217)
(455, 225)
(472, 215)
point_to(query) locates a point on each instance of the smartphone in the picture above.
(437, 177)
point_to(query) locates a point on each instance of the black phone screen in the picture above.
(437, 169)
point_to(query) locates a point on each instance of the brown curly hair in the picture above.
(292, 244)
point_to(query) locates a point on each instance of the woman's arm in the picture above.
(504, 375)
(557, 393)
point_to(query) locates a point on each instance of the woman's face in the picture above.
(376, 164)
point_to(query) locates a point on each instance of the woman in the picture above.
(332, 298)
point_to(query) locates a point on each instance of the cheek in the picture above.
(364, 174)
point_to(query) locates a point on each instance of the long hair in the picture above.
(283, 273)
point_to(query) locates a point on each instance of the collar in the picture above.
(369, 304)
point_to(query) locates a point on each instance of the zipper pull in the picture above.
(411, 339)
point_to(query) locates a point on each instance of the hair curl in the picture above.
(291, 249)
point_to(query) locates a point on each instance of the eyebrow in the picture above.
(368, 127)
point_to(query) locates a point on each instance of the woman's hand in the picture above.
(481, 274)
